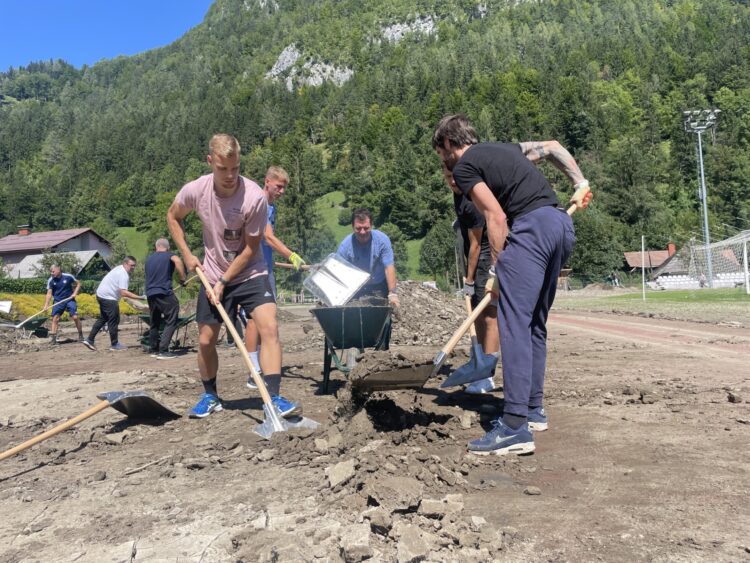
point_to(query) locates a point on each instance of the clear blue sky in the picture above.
(86, 31)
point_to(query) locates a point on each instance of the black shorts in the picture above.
(481, 276)
(248, 295)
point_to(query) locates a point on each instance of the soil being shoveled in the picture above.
(618, 476)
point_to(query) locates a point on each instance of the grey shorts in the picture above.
(248, 295)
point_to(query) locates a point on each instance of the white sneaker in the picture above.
(481, 387)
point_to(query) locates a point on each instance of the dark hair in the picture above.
(361, 213)
(130, 259)
(457, 129)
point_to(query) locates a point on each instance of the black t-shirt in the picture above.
(470, 218)
(159, 269)
(513, 179)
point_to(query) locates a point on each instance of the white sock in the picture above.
(254, 359)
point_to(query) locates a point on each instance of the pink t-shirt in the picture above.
(226, 221)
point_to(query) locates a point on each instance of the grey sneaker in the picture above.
(90, 345)
(537, 419)
(502, 440)
(117, 347)
(165, 356)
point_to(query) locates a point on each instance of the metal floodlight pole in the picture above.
(698, 121)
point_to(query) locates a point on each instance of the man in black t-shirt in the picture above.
(530, 240)
(162, 302)
(477, 264)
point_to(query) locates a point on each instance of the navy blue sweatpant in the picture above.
(537, 247)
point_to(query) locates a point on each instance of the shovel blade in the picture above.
(137, 404)
(479, 366)
(274, 422)
(402, 378)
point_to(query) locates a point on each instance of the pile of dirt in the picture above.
(426, 316)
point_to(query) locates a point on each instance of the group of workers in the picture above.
(515, 237)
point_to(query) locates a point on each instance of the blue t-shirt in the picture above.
(61, 287)
(372, 257)
(267, 250)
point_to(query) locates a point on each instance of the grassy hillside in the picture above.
(136, 241)
(330, 206)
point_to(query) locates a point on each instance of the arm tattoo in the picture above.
(556, 154)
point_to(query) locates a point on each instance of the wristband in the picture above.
(392, 291)
(471, 284)
(223, 281)
(581, 184)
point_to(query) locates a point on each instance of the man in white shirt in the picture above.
(112, 288)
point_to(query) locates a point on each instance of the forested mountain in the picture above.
(345, 95)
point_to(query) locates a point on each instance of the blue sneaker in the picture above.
(117, 347)
(208, 403)
(285, 407)
(537, 419)
(502, 440)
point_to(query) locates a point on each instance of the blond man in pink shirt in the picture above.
(233, 213)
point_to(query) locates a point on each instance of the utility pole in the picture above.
(698, 121)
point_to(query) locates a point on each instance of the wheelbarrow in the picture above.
(349, 327)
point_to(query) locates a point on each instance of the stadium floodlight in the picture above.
(697, 121)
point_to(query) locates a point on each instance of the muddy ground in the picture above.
(647, 456)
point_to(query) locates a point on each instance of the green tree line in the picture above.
(109, 145)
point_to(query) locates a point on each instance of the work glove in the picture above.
(469, 288)
(492, 285)
(582, 196)
(393, 300)
(296, 261)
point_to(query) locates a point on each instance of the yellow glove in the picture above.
(582, 196)
(296, 260)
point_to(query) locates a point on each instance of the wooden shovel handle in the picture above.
(472, 328)
(56, 430)
(238, 341)
(19, 325)
(468, 323)
(290, 266)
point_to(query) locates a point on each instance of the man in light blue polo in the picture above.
(370, 250)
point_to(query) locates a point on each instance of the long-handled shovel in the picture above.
(469, 322)
(479, 366)
(35, 315)
(134, 404)
(273, 421)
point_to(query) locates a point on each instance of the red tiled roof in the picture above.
(653, 258)
(38, 241)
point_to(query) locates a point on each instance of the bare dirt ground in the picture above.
(647, 457)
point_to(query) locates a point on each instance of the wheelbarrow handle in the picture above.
(56, 430)
(238, 342)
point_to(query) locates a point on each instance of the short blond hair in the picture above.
(223, 145)
(277, 173)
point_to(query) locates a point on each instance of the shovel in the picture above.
(19, 325)
(134, 404)
(273, 421)
(479, 366)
